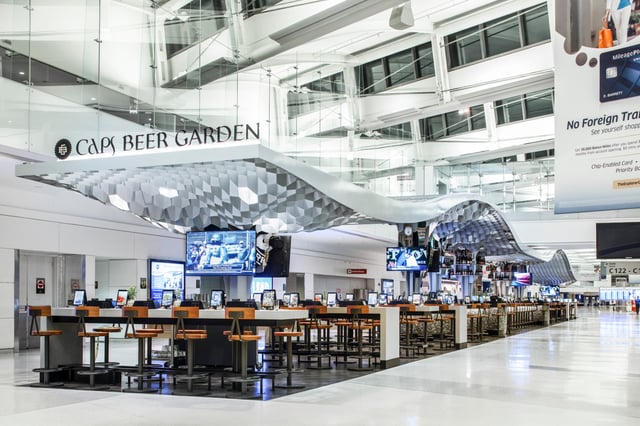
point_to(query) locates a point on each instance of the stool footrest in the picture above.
(47, 370)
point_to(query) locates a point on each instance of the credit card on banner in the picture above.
(620, 74)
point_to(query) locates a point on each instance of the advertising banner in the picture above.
(596, 47)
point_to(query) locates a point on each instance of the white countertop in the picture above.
(204, 313)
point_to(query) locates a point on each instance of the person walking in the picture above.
(620, 12)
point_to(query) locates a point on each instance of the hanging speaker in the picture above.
(401, 17)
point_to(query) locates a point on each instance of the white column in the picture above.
(90, 276)
(308, 285)
(9, 299)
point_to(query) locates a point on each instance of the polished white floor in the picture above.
(582, 372)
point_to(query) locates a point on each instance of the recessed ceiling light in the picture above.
(168, 192)
(247, 195)
(21, 72)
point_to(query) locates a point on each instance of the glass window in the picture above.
(502, 35)
(456, 122)
(424, 53)
(538, 104)
(399, 131)
(372, 77)
(536, 24)
(477, 118)
(432, 128)
(509, 110)
(401, 68)
(464, 47)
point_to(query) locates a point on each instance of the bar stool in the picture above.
(83, 312)
(107, 329)
(425, 321)
(241, 338)
(141, 372)
(290, 370)
(322, 337)
(190, 336)
(359, 326)
(407, 343)
(35, 313)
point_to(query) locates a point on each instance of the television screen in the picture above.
(317, 297)
(618, 240)
(332, 298)
(273, 253)
(167, 298)
(416, 298)
(521, 278)
(217, 298)
(165, 275)
(348, 296)
(221, 253)
(79, 297)
(372, 298)
(407, 259)
(550, 290)
(121, 298)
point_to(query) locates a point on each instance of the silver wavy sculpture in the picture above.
(250, 185)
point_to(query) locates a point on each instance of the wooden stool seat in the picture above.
(108, 329)
(92, 333)
(137, 335)
(46, 333)
(245, 337)
(288, 333)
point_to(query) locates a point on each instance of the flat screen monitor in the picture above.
(332, 298)
(165, 275)
(217, 299)
(416, 298)
(317, 297)
(79, 297)
(273, 254)
(383, 299)
(348, 296)
(268, 300)
(167, 298)
(221, 253)
(257, 297)
(407, 259)
(372, 298)
(294, 299)
(286, 298)
(121, 298)
(521, 279)
(618, 240)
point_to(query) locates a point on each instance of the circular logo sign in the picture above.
(63, 149)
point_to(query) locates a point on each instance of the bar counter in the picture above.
(215, 350)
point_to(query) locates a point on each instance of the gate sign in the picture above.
(39, 285)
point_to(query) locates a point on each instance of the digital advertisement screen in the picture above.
(165, 275)
(221, 253)
(273, 254)
(407, 259)
(521, 278)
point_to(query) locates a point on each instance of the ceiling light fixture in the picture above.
(247, 195)
(118, 202)
(168, 192)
